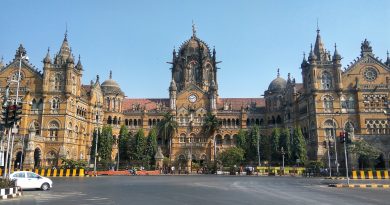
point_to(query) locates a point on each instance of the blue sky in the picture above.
(135, 39)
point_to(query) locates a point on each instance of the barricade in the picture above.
(55, 172)
(361, 174)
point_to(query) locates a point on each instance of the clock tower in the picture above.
(193, 93)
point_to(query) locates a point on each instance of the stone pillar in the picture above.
(28, 162)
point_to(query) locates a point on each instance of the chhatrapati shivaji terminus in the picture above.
(60, 114)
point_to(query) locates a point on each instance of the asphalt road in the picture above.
(199, 190)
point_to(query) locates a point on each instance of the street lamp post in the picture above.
(258, 150)
(330, 167)
(96, 144)
(282, 152)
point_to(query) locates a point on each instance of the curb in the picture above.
(10, 193)
(10, 196)
(385, 186)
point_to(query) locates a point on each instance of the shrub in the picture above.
(7, 183)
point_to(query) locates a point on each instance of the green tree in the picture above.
(137, 147)
(285, 142)
(365, 152)
(123, 141)
(275, 149)
(241, 139)
(298, 146)
(105, 143)
(93, 147)
(151, 146)
(167, 128)
(232, 157)
(252, 144)
(265, 148)
(211, 124)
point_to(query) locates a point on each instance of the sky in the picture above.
(135, 39)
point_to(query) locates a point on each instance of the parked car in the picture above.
(30, 180)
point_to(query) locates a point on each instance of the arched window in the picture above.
(328, 103)
(326, 81)
(55, 103)
(53, 130)
(109, 120)
(330, 128)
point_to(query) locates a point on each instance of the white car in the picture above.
(30, 180)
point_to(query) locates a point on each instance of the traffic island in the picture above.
(9, 193)
(385, 186)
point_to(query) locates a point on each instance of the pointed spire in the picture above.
(47, 59)
(304, 61)
(1, 62)
(65, 50)
(388, 59)
(312, 56)
(318, 46)
(278, 75)
(289, 78)
(110, 74)
(79, 65)
(193, 29)
(336, 55)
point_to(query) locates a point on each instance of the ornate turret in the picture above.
(312, 56)
(388, 59)
(79, 66)
(47, 59)
(336, 55)
(304, 61)
(365, 48)
(1, 63)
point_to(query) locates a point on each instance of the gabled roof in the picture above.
(141, 103)
(238, 103)
(25, 64)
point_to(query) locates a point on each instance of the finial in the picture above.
(110, 74)
(66, 31)
(304, 55)
(79, 57)
(318, 28)
(311, 47)
(97, 78)
(278, 73)
(386, 53)
(193, 29)
(288, 76)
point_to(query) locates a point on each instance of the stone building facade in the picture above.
(60, 114)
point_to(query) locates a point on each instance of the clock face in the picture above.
(370, 74)
(192, 98)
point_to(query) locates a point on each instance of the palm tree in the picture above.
(211, 124)
(167, 127)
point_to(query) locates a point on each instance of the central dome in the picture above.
(194, 46)
(277, 85)
(110, 86)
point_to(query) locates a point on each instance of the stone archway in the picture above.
(19, 159)
(37, 157)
